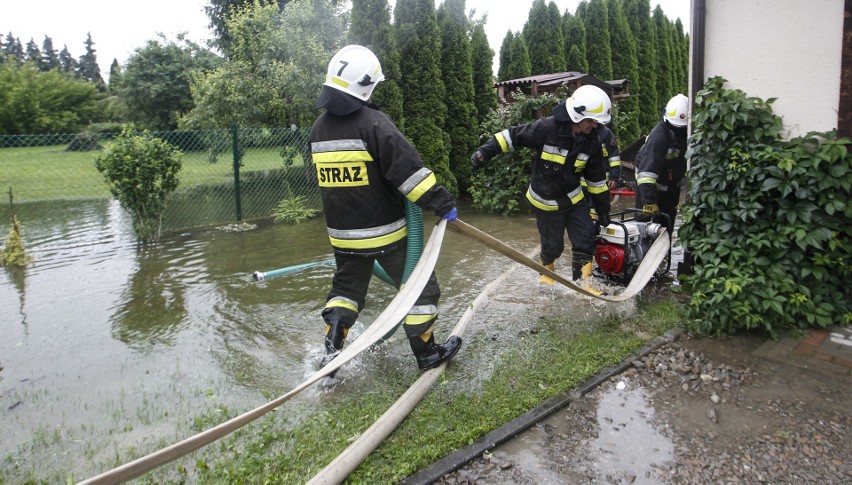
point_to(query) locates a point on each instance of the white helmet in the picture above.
(677, 110)
(589, 102)
(355, 70)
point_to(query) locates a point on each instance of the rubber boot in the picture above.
(586, 272)
(429, 354)
(334, 337)
(543, 278)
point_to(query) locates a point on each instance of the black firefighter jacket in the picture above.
(661, 163)
(364, 167)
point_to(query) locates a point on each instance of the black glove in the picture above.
(478, 160)
(615, 173)
(603, 218)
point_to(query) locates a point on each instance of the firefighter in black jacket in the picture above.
(661, 163)
(365, 167)
(567, 149)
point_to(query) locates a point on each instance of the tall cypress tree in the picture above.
(575, 44)
(639, 17)
(422, 89)
(666, 66)
(457, 75)
(519, 59)
(544, 40)
(370, 26)
(505, 56)
(598, 48)
(681, 44)
(116, 76)
(482, 58)
(625, 65)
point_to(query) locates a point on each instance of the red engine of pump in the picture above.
(610, 257)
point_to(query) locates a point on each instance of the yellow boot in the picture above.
(543, 278)
(586, 271)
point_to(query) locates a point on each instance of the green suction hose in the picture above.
(414, 221)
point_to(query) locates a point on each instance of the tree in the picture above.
(32, 101)
(141, 172)
(518, 64)
(485, 98)
(49, 57)
(625, 66)
(543, 37)
(273, 77)
(505, 56)
(14, 49)
(156, 79)
(371, 27)
(221, 12)
(116, 76)
(599, 50)
(457, 75)
(666, 66)
(575, 43)
(67, 63)
(422, 87)
(639, 17)
(89, 69)
(33, 54)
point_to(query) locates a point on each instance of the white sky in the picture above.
(118, 28)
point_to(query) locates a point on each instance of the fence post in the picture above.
(236, 145)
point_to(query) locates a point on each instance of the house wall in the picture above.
(785, 49)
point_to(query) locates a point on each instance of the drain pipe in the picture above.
(699, 11)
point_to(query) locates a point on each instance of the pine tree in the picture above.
(639, 17)
(575, 43)
(67, 63)
(49, 57)
(219, 12)
(544, 40)
(14, 48)
(116, 76)
(519, 59)
(599, 50)
(625, 65)
(457, 75)
(370, 26)
(89, 70)
(485, 97)
(33, 54)
(422, 89)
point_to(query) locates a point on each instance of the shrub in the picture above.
(767, 220)
(141, 172)
(293, 209)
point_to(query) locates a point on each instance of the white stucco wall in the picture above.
(784, 49)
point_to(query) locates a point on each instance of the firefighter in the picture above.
(567, 148)
(610, 151)
(365, 167)
(661, 163)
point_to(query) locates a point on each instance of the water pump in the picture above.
(621, 246)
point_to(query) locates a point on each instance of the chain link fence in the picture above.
(227, 175)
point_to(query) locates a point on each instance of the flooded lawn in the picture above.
(113, 350)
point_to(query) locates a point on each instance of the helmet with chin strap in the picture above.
(589, 102)
(354, 70)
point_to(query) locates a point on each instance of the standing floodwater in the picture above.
(110, 346)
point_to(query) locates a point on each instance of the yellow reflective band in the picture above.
(599, 109)
(352, 174)
(343, 156)
(339, 81)
(597, 190)
(583, 183)
(504, 146)
(369, 243)
(646, 181)
(605, 151)
(419, 319)
(553, 157)
(576, 196)
(615, 163)
(421, 188)
(671, 113)
(338, 303)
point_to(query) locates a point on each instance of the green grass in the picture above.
(544, 364)
(49, 173)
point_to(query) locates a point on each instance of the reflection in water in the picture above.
(18, 277)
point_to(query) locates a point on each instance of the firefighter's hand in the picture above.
(451, 215)
(478, 160)
(650, 208)
(604, 219)
(613, 184)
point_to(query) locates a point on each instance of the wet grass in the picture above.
(547, 362)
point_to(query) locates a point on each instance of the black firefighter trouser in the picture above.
(351, 281)
(667, 201)
(581, 233)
